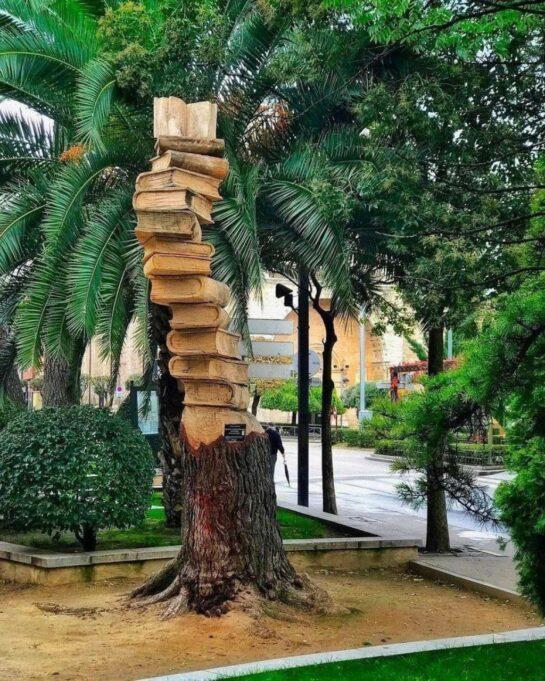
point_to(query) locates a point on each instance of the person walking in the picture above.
(276, 444)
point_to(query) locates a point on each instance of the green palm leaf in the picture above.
(94, 97)
(86, 264)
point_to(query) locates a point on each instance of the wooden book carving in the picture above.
(171, 202)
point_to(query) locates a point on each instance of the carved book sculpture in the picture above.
(171, 203)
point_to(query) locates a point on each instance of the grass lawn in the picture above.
(153, 532)
(513, 661)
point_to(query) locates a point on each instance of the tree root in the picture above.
(168, 587)
(157, 583)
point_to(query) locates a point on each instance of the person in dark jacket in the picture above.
(276, 446)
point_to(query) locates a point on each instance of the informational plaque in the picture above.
(234, 432)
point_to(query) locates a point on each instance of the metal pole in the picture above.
(449, 344)
(362, 364)
(302, 390)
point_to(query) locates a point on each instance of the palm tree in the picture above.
(68, 180)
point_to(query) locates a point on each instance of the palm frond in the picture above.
(94, 97)
(85, 267)
(24, 207)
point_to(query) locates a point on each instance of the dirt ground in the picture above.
(85, 632)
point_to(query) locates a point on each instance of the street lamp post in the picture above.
(303, 390)
(302, 379)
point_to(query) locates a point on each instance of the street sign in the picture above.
(314, 364)
(270, 371)
(272, 349)
(270, 327)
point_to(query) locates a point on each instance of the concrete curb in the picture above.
(477, 470)
(448, 577)
(534, 634)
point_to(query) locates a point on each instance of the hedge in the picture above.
(466, 452)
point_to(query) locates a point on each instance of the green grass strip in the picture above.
(509, 661)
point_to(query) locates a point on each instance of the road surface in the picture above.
(367, 489)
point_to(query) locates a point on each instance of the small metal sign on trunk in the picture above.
(234, 432)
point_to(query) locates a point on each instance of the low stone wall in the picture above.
(362, 550)
(25, 565)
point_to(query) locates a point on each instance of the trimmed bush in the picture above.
(359, 438)
(390, 448)
(76, 469)
(480, 454)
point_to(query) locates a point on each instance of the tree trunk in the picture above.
(11, 383)
(293, 418)
(231, 543)
(170, 414)
(62, 380)
(437, 532)
(87, 537)
(328, 479)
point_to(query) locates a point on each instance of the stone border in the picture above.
(361, 539)
(29, 555)
(388, 650)
(424, 569)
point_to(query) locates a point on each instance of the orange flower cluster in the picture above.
(72, 155)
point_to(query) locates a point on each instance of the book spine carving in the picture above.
(171, 203)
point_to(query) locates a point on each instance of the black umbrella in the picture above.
(286, 471)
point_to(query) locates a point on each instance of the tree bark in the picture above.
(13, 388)
(231, 544)
(87, 537)
(62, 379)
(437, 531)
(170, 414)
(328, 478)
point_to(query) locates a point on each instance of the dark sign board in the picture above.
(234, 432)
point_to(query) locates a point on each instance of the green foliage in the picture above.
(521, 502)
(73, 468)
(8, 412)
(284, 398)
(351, 396)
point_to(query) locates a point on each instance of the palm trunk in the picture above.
(61, 385)
(437, 532)
(328, 480)
(170, 414)
(13, 388)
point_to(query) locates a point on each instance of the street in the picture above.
(366, 489)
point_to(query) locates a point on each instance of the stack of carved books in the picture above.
(172, 201)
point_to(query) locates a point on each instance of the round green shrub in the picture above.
(76, 469)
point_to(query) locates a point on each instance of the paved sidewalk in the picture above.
(366, 495)
(499, 571)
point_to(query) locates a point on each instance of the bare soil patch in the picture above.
(85, 632)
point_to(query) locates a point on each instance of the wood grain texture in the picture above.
(206, 342)
(206, 367)
(198, 316)
(162, 264)
(171, 199)
(175, 224)
(167, 290)
(209, 166)
(176, 177)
